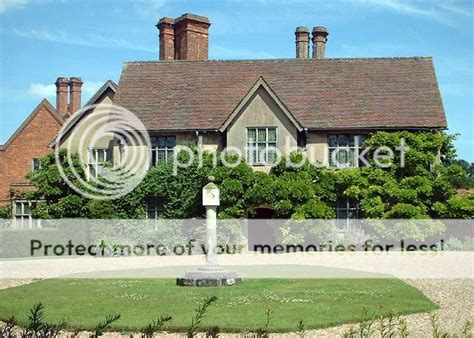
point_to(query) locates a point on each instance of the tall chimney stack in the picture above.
(184, 38)
(320, 34)
(166, 28)
(302, 42)
(191, 37)
(75, 84)
(62, 85)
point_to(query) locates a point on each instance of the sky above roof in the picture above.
(44, 39)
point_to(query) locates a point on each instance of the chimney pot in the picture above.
(62, 84)
(184, 38)
(319, 39)
(167, 47)
(302, 42)
(75, 84)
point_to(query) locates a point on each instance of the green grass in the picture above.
(318, 302)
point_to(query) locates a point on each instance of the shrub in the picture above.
(5, 212)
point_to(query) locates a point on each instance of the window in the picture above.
(98, 159)
(344, 150)
(347, 210)
(162, 149)
(22, 214)
(35, 165)
(261, 145)
(154, 210)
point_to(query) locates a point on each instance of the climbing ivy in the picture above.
(424, 188)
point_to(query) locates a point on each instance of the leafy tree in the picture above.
(424, 187)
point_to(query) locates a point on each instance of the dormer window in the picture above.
(261, 145)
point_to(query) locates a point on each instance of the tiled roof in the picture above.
(320, 94)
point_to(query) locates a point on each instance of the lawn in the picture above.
(318, 302)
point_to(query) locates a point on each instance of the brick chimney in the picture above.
(184, 38)
(302, 42)
(62, 85)
(75, 84)
(166, 28)
(320, 34)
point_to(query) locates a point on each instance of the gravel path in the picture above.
(454, 296)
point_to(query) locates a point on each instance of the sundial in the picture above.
(212, 274)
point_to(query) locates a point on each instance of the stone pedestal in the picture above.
(212, 274)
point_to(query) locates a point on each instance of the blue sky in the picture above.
(44, 39)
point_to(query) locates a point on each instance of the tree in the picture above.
(424, 187)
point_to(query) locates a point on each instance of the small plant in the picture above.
(8, 327)
(263, 332)
(467, 329)
(200, 313)
(99, 329)
(388, 325)
(37, 328)
(403, 330)
(213, 332)
(149, 330)
(366, 327)
(300, 329)
(35, 324)
(53, 330)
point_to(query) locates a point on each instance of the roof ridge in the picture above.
(284, 59)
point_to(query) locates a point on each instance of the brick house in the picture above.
(32, 140)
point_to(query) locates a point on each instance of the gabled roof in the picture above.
(77, 116)
(43, 104)
(260, 83)
(319, 94)
(109, 84)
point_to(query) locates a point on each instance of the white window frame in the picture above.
(347, 220)
(165, 150)
(93, 160)
(24, 220)
(268, 145)
(358, 140)
(33, 161)
(158, 206)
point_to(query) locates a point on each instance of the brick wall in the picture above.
(31, 142)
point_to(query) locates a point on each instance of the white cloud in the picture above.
(88, 40)
(6, 5)
(89, 88)
(444, 12)
(41, 90)
(149, 8)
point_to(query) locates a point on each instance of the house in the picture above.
(264, 108)
(33, 140)
(258, 107)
